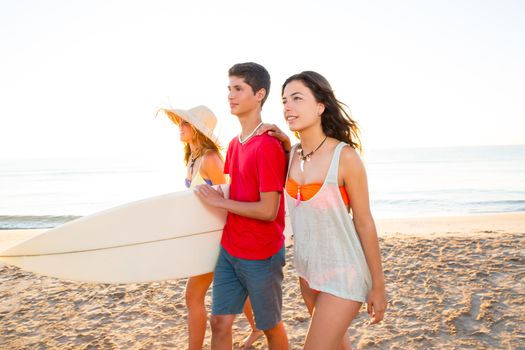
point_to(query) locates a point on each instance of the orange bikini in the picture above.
(305, 192)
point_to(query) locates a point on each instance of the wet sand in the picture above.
(453, 283)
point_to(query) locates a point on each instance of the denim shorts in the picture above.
(235, 279)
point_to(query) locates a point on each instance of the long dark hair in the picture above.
(336, 119)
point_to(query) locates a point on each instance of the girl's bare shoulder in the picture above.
(351, 160)
(210, 158)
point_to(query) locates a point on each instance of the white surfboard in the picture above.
(164, 237)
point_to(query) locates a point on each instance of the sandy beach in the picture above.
(452, 283)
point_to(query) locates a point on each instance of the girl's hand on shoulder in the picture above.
(273, 130)
(376, 305)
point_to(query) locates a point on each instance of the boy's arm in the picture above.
(265, 209)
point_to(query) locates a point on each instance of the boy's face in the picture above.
(241, 96)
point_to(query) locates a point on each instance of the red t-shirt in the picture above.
(257, 166)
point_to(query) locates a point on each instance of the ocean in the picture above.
(404, 182)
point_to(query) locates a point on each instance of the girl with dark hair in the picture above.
(337, 254)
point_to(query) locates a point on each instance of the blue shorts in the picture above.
(235, 279)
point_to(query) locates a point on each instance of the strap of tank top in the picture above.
(333, 171)
(200, 160)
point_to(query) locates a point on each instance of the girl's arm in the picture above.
(353, 173)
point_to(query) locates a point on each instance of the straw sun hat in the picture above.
(201, 117)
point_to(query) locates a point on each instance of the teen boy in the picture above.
(251, 260)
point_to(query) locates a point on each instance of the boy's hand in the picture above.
(209, 195)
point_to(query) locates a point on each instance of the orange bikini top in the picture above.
(305, 192)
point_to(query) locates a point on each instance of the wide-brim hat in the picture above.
(201, 117)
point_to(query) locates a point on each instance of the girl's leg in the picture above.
(310, 297)
(330, 321)
(196, 289)
(255, 333)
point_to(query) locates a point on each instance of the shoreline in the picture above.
(403, 225)
(453, 225)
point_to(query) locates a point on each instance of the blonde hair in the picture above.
(204, 145)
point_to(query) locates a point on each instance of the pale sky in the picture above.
(84, 78)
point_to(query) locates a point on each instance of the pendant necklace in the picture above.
(250, 135)
(307, 157)
(188, 180)
(192, 162)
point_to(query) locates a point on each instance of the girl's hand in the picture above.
(376, 305)
(273, 130)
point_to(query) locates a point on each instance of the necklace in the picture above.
(188, 180)
(250, 135)
(307, 157)
(192, 162)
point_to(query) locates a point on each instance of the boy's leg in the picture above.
(277, 339)
(263, 279)
(221, 328)
(228, 298)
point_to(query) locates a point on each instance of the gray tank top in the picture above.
(328, 252)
